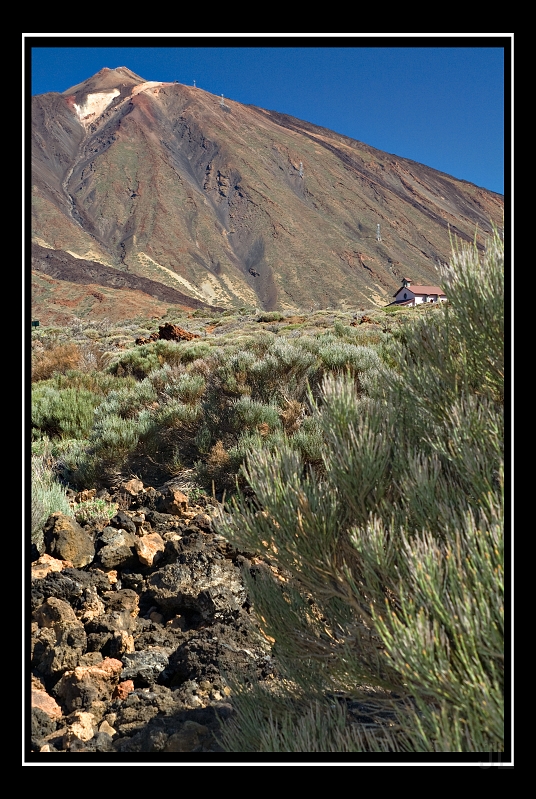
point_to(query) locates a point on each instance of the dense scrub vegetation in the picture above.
(372, 454)
(386, 587)
(107, 409)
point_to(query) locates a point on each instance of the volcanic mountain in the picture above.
(147, 195)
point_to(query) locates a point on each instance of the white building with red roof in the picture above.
(409, 294)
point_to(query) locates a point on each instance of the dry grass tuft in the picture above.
(218, 458)
(59, 358)
(291, 416)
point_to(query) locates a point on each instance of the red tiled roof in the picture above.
(421, 290)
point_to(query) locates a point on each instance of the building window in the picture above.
(405, 296)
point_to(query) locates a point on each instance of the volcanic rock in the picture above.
(66, 540)
(134, 659)
(149, 548)
(84, 685)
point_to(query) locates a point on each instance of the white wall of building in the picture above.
(407, 294)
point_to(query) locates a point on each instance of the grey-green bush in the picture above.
(393, 556)
(47, 496)
(62, 413)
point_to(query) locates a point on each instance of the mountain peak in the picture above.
(105, 80)
(232, 205)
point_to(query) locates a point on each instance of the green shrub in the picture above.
(283, 373)
(162, 377)
(96, 510)
(62, 413)
(270, 316)
(342, 357)
(138, 362)
(365, 335)
(177, 414)
(248, 414)
(113, 437)
(393, 555)
(309, 442)
(98, 382)
(128, 401)
(182, 352)
(202, 314)
(47, 495)
(262, 342)
(67, 456)
(187, 388)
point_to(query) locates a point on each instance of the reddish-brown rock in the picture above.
(46, 703)
(173, 500)
(47, 564)
(79, 688)
(169, 332)
(149, 547)
(123, 689)
(133, 487)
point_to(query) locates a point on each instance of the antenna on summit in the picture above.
(222, 103)
(378, 236)
(194, 83)
(301, 170)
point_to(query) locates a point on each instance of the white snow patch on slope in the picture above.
(94, 106)
(149, 84)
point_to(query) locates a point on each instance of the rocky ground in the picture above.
(135, 625)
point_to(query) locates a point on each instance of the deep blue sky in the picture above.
(438, 101)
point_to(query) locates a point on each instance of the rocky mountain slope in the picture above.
(155, 194)
(122, 659)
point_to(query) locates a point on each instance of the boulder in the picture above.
(169, 332)
(123, 521)
(214, 589)
(42, 700)
(82, 725)
(190, 736)
(133, 487)
(150, 548)
(144, 667)
(55, 613)
(42, 726)
(172, 500)
(69, 585)
(119, 550)
(60, 640)
(46, 564)
(84, 685)
(92, 605)
(65, 539)
(123, 689)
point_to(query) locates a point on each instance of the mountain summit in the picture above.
(104, 80)
(148, 194)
